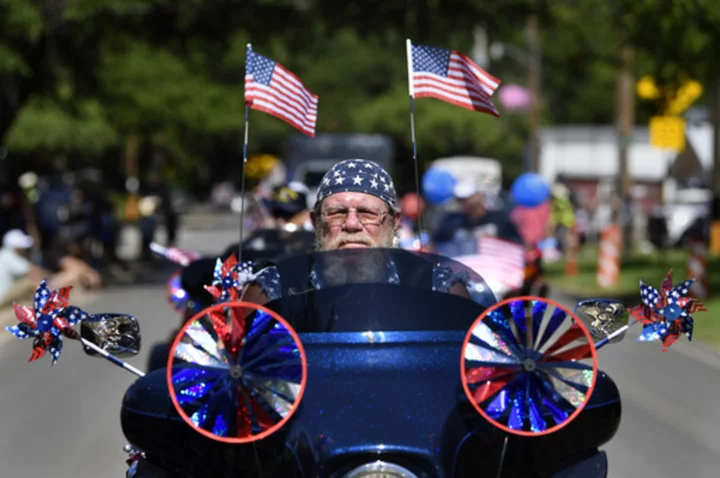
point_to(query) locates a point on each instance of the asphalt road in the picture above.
(64, 421)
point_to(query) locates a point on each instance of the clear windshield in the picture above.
(376, 289)
(269, 244)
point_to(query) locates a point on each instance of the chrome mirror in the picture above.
(117, 334)
(603, 317)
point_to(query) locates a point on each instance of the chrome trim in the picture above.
(379, 469)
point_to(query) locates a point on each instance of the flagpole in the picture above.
(245, 148)
(411, 90)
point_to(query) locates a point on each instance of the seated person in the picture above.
(19, 278)
(356, 208)
(70, 268)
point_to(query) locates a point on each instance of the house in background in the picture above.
(586, 159)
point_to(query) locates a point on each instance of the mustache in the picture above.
(344, 238)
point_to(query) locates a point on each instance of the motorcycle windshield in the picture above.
(268, 244)
(502, 262)
(358, 290)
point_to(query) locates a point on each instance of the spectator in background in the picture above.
(658, 229)
(475, 218)
(156, 188)
(563, 213)
(533, 223)
(54, 204)
(19, 277)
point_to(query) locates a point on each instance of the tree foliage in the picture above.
(80, 75)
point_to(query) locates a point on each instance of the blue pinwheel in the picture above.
(229, 278)
(47, 321)
(667, 313)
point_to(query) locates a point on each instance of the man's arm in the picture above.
(255, 294)
(264, 287)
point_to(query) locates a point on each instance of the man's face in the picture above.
(353, 220)
(474, 206)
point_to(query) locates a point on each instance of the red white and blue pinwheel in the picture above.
(667, 313)
(47, 321)
(228, 279)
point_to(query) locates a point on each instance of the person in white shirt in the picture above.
(19, 277)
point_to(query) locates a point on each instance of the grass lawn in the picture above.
(651, 269)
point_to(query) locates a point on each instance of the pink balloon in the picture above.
(516, 98)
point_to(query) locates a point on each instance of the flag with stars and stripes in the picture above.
(499, 262)
(453, 77)
(272, 88)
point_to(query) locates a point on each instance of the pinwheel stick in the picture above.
(112, 358)
(603, 342)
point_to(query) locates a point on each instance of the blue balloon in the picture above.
(438, 185)
(530, 190)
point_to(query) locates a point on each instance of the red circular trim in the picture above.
(278, 425)
(463, 371)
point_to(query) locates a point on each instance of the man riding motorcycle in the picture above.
(289, 206)
(356, 208)
(475, 218)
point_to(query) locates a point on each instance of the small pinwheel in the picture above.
(47, 321)
(229, 278)
(666, 314)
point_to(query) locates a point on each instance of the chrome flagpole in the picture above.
(411, 90)
(248, 70)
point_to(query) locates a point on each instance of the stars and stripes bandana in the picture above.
(358, 175)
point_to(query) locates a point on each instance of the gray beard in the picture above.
(364, 266)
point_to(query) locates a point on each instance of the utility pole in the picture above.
(715, 229)
(625, 126)
(532, 33)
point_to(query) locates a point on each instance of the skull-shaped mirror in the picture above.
(117, 334)
(603, 317)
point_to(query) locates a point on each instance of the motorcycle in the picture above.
(360, 378)
(185, 289)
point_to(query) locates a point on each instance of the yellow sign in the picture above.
(684, 97)
(677, 101)
(647, 89)
(667, 132)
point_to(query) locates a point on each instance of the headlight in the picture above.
(380, 469)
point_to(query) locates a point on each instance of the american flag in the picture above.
(451, 76)
(498, 262)
(271, 88)
(179, 256)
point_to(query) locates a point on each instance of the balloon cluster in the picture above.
(530, 190)
(666, 314)
(438, 185)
